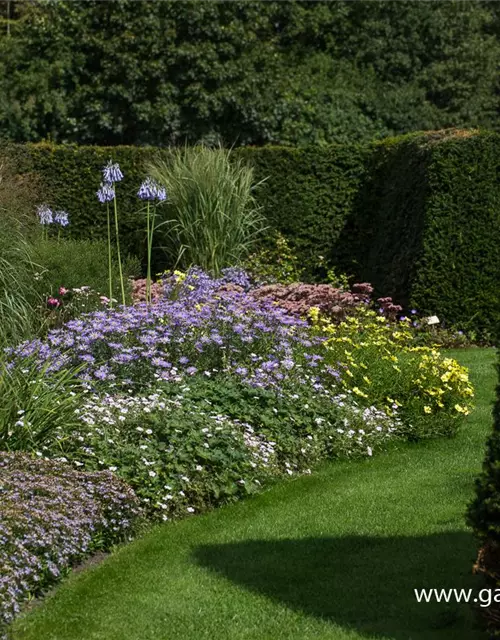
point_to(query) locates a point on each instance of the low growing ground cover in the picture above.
(333, 555)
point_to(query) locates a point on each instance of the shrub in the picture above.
(72, 264)
(211, 217)
(299, 298)
(274, 263)
(484, 516)
(51, 517)
(380, 365)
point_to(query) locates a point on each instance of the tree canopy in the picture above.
(244, 72)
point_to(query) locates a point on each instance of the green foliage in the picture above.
(35, 404)
(193, 446)
(245, 72)
(427, 230)
(308, 196)
(18, 294)
(274, 262)
(483, 513)
(73, 264)
(211, 217)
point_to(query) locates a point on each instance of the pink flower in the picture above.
(62, 291)
(53, 302)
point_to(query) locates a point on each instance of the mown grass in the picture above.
(335, 555)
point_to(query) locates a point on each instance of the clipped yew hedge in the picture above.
(425, 227)
(307, 196)
(418, 216)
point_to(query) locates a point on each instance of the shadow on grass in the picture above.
(362, 582)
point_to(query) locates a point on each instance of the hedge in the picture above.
(425, 227)
(418, 216)
(307, 195)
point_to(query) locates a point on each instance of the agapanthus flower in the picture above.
(150, 190)
(106, 193)
(112, 173)
(62, 218)
(45, 214)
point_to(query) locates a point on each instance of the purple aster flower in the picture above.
(106, 193)
(112, 173)
(413, 311)
(45, 214)
(62, 218)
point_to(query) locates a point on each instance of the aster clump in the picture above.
(51, 517)
(202, 329)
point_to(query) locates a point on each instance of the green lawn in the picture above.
(334, 555)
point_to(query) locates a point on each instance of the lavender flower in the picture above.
(112, 173)
(45, 214)
(106, 193)
(62, 218)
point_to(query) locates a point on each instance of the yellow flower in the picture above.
(427, 409)
(358, 392)
(461, 409)
(314, 314)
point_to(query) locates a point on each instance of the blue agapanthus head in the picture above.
(62, 218)
(112, 173)
(45, 214)
(161, 193)
(151, 190)
(106, 192)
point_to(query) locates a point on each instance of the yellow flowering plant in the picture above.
(379, 364)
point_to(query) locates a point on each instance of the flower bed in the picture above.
(215, 390)
(51, 517)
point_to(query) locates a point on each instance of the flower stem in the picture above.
(148, 275)
(110, 269)
(118, 252)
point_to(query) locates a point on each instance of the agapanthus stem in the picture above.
(110, 266)
(118, 252)
(148, 275)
